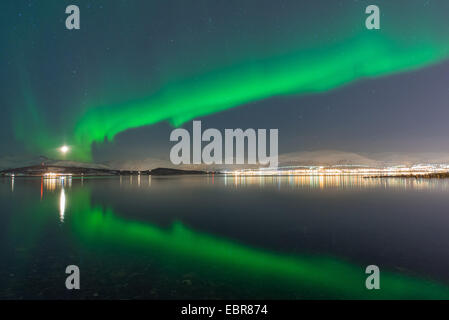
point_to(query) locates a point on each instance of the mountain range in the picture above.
(303, 158)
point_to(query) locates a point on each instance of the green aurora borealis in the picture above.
(305, 72)
(127, 68)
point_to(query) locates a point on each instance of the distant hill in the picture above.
(342, 158)
(169, 171)
(41, 164)
(39, 170)
(21, 162)
(325, 158)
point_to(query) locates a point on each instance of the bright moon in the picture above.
(64, 149)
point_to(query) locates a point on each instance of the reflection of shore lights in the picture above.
(64, 149)
(62, 205)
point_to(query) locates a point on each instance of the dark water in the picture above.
(224, 237)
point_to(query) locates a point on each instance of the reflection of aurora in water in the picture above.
(307, 276)
(108, 243)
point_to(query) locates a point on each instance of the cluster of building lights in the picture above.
(55, 175)
(420, 169)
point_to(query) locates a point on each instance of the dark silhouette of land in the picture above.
(43, 169)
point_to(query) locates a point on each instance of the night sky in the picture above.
(136, 69)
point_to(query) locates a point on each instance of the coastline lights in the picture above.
(337, 171)
(54, 174)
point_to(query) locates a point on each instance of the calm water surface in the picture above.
(213, 237)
